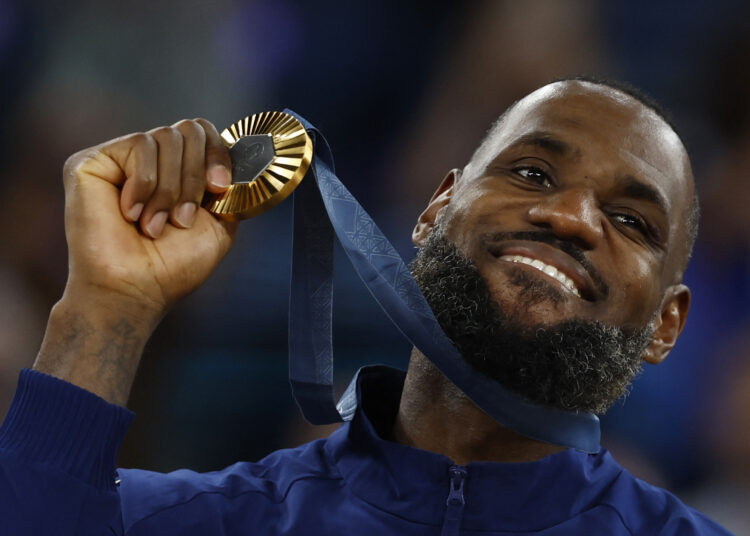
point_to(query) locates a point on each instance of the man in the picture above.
(553, 260)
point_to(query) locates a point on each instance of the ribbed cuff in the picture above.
(57, 423)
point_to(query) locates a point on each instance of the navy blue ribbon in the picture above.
(324, 208)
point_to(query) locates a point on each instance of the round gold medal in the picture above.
(271, 152)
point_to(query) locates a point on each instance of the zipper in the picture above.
(455, 502)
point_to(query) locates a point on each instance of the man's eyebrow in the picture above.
(547, 141)
(636, 189)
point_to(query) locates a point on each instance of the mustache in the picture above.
(549, 238)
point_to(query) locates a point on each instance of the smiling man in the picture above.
(553, 261)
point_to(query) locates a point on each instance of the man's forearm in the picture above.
(95, 345)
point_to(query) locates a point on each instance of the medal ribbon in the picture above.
(324, 208)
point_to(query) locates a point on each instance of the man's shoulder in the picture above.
(648, 509)
(244, 486)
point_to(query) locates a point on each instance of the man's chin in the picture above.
(530, 338)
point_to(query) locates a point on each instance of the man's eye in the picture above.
(630, 220)
(535, 175)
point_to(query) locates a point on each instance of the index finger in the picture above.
(218, 161)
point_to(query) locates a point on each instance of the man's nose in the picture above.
(571, 214)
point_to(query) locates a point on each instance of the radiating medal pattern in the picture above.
(271, 153)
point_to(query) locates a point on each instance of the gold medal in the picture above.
(271, 152)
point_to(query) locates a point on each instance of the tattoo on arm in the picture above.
(95, 352)
(115, 358)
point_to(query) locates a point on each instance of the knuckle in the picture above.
(186, 124)
(75, 162)
(72, 163)
(146, 180)
(166, 135)
(207, 126)
(159, 131)
(190, 129)
(70, 168)
(140, 138)
(143, 141)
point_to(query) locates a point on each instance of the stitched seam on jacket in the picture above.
(496, 530)
(231, 497)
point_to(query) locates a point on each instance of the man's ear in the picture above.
(669, 324)
(440, 200)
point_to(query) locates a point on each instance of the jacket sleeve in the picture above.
(58, 450)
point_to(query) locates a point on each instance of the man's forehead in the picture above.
(598, 111)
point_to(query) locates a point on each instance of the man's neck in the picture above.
(435, 415)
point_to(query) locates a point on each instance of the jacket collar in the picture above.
(414, 484)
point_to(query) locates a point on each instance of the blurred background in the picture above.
(403, 91)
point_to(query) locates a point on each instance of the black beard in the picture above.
(573, 365)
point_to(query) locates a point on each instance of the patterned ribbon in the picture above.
(324, 208)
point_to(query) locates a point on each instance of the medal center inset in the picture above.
(251, 155)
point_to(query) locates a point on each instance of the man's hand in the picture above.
(132, 213)
(138, 240)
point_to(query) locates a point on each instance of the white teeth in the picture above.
(547, 269)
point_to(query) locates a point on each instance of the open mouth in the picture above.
(548, 269)
(554, 263)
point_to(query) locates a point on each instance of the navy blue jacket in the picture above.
(59, 444)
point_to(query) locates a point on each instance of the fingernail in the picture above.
(185, 215)
(135, 211)
(219, 176)
(156, 225)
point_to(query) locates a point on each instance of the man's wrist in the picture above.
(95, 341)
(107, 302)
